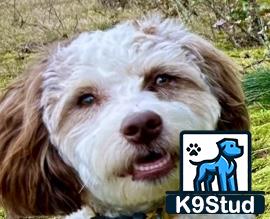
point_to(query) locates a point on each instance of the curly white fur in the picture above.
(114, 63)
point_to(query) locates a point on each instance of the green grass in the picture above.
(257, 87)
(260, 130)
(2, 214)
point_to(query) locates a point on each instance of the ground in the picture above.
(27, 26)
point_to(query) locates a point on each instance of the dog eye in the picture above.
(86, 100)
(231, 145)
(163, 79)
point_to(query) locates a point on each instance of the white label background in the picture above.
(209, 150)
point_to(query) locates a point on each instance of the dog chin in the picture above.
(141, 186)
(126, 195)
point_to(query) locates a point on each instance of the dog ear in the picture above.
(33, 178)
(223, 77)
(221, 144)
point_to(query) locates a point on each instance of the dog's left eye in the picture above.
(86, 100)
(163, 79)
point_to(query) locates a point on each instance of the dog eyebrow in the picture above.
(186, 79)
(71, 103)
(154, 71)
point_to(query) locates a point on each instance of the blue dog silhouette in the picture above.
(223, 166)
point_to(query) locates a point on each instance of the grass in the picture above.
(257, 89)
(29, 25)
(260, 117)
(256, 85)
(2, 214)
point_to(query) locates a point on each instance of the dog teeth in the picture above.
(158, 164)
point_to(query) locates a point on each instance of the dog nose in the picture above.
(142, 128)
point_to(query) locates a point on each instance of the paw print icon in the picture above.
(193, 149)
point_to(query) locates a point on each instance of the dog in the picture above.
(223, 166)
(93, 126)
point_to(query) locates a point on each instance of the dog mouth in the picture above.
(152, 166)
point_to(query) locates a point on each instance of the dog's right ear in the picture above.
(33, 178)
(223, 77)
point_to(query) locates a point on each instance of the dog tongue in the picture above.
(153, 166)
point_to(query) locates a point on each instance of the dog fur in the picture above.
(58, 156)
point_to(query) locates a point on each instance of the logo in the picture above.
(215, 175)
(215, 162)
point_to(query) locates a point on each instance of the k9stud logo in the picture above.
(215, 175)
(215, 162)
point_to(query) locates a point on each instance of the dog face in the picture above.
(116, 118)
(99, 119)
(230, 148)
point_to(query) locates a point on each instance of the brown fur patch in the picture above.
(181, 80)
(33, 178)
(73, 113)
(150, 30)
(223, 78)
